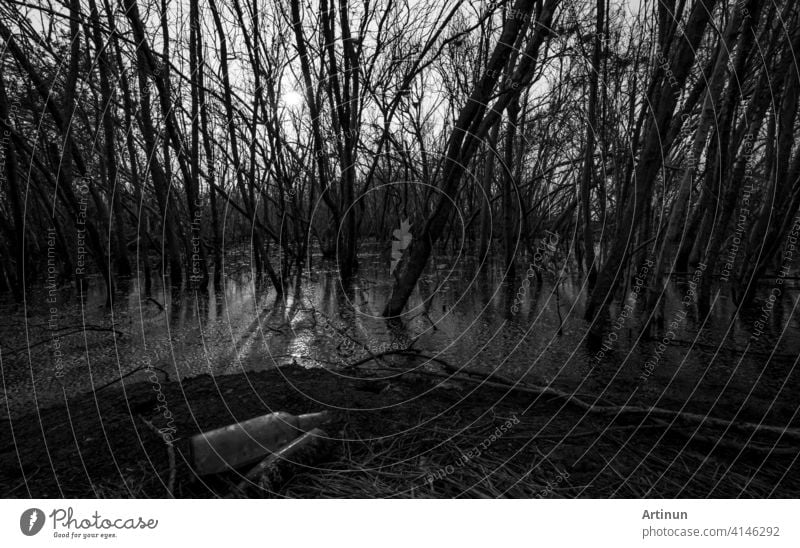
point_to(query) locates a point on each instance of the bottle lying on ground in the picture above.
(247, 442)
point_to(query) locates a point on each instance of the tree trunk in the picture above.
(650, 160)
(110, 147)
(587, 172)
(486, 201)
(12, 176)
(160, 181)
(471, 127)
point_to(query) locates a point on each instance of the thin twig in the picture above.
(170, 456)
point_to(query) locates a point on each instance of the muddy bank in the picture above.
(405, 436)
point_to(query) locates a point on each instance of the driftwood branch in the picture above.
(658, 415)
(129, 373)
(170, 455)
(59, 334)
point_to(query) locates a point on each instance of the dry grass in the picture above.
(428, 463)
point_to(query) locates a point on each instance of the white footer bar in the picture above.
(399, 523)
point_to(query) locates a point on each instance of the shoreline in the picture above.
(399, 437)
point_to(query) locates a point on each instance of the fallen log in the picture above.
(244, 443)
(780, 433)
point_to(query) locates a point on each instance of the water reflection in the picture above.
(460, 314)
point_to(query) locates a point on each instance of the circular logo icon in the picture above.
(31, 521)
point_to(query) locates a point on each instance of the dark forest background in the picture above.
(208, 211)
(145, 137)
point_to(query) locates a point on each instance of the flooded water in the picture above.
(460, 314)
